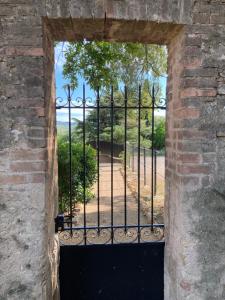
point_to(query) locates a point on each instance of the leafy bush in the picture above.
(159, 140)
(82, 168)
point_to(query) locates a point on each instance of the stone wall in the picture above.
(195, 191)
(28, 196)
(195, 34)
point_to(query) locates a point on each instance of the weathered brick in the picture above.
(193, 169)
(36, 132)
(24, 166)
(201, 18)
(12, 179)
(197, 92)
(186, 113)
(193, 40)
(192, 134)
(189, 157)
(189, 146)
(24, 51)
(28, 154)
(40, 111)
(200, 72)
(206, 82)
(193, 51)
(217, 18)
(191, 62)
(37, 143)
(202, 7)
(37, 178)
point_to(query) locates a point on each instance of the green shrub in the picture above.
(82, 167)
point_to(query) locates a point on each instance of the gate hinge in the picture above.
(59, 223)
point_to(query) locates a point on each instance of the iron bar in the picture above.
(84, 158)
(129, 157)
(98, 160)
(70, 161)
(155, 173)
(114, 226)
(111, 145)
(132, 158)
(144, 166)
(125, 160)
(152, 167)
(139, 173)
(105, 106)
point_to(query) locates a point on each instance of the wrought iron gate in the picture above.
(127, 258)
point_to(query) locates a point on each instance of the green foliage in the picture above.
(78, 172)
(103, 64)
(119, 128)
(159, 140)
(62, 129)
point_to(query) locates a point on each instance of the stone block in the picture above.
(221, 89)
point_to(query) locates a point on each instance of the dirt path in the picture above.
(105, 209)
(105, 201)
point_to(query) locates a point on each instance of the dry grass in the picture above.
(145, 197)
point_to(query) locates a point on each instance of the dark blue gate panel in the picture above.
(112, 272)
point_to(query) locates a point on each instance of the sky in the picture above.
(60, 81)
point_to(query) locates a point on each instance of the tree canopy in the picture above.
(103, 64)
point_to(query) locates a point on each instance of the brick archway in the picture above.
(195, 159)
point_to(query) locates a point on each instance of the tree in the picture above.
(119, 123)
(78, 172)
(103, 64)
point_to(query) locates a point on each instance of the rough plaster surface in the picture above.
(195, 195)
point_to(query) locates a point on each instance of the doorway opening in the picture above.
(111, 104)
(123, 251)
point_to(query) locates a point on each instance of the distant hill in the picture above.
(63, 127)
(61, 124)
